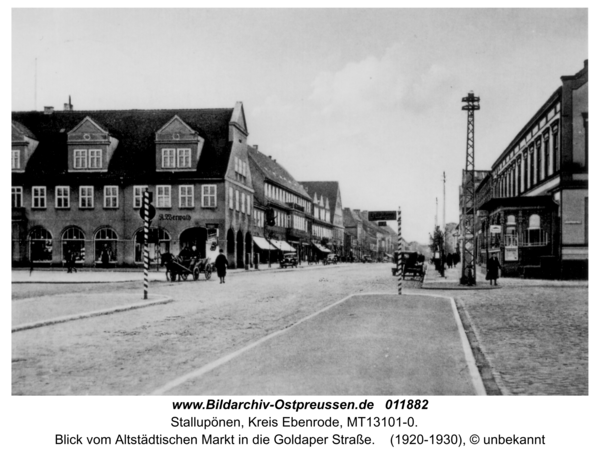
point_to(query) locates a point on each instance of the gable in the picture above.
(88, 131)
(176, 129)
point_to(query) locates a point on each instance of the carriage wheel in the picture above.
(207, 272)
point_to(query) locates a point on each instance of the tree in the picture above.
(436, 240)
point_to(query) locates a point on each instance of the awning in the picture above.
(283, 246)
(263, 244)
(321, 248)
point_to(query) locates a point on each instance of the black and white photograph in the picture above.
(234, 206)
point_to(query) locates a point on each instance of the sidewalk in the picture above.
(49, 310)
(434, 281)
(363, 345)
(130, 275)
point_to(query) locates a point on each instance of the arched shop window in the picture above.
(73, 241)
(40, 244)
(159, 242)
(105, 246)
(534, 232)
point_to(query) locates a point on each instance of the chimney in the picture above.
(48, 110)
(68, 106)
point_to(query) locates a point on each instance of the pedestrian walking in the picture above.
(493, 268)
(221, 264)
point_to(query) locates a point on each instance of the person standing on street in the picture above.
(493, 267)
(221, 264)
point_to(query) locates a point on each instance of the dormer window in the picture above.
(91, 147)
(178, 146)
(168, 158)
(184, 158)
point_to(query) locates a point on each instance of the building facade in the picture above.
(78, 179)
(533, 207)
(276, 190)
(328, 215)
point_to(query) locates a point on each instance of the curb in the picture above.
(449, 286)
(54, 321)
(493, 383)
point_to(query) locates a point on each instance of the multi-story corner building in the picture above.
(78, 179)
(276, 189)
(328, 214)
(534, 205)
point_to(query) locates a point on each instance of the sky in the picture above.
(370, 98)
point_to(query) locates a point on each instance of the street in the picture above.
(535, 335)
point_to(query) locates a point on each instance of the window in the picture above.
(62, 198)
(40, 244)
(111, 196)
(95, 158)
(186, 196)
(17, 197)
(534, 236)
(547, 170)
(230, 198)
(168, 158)
(531, 168)
(184, 158)
(519, 186)
(525, 171)
(237, 200)
(105, 246)
(209, 196)
(16, 159)
(138, 195)
(243, 209)
(555, 147)
(538, 162)
(73, 244)
(163, 196)
(39, 197)
(80, 159)
(159, 242)
(248, 204)
(86, 197)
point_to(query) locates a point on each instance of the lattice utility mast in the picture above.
(469, 276)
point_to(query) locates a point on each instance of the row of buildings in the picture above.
(78, 179)
(532, 206)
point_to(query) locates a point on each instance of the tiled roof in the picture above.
(275, 172)
(350, 218)
(328, 189)
(135, 130)
(23, 129)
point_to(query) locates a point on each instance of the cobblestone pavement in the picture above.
(533, 332)
(137, 351)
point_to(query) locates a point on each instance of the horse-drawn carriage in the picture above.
(181, 267)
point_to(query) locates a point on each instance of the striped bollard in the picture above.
(146, 251)
(399, 256)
